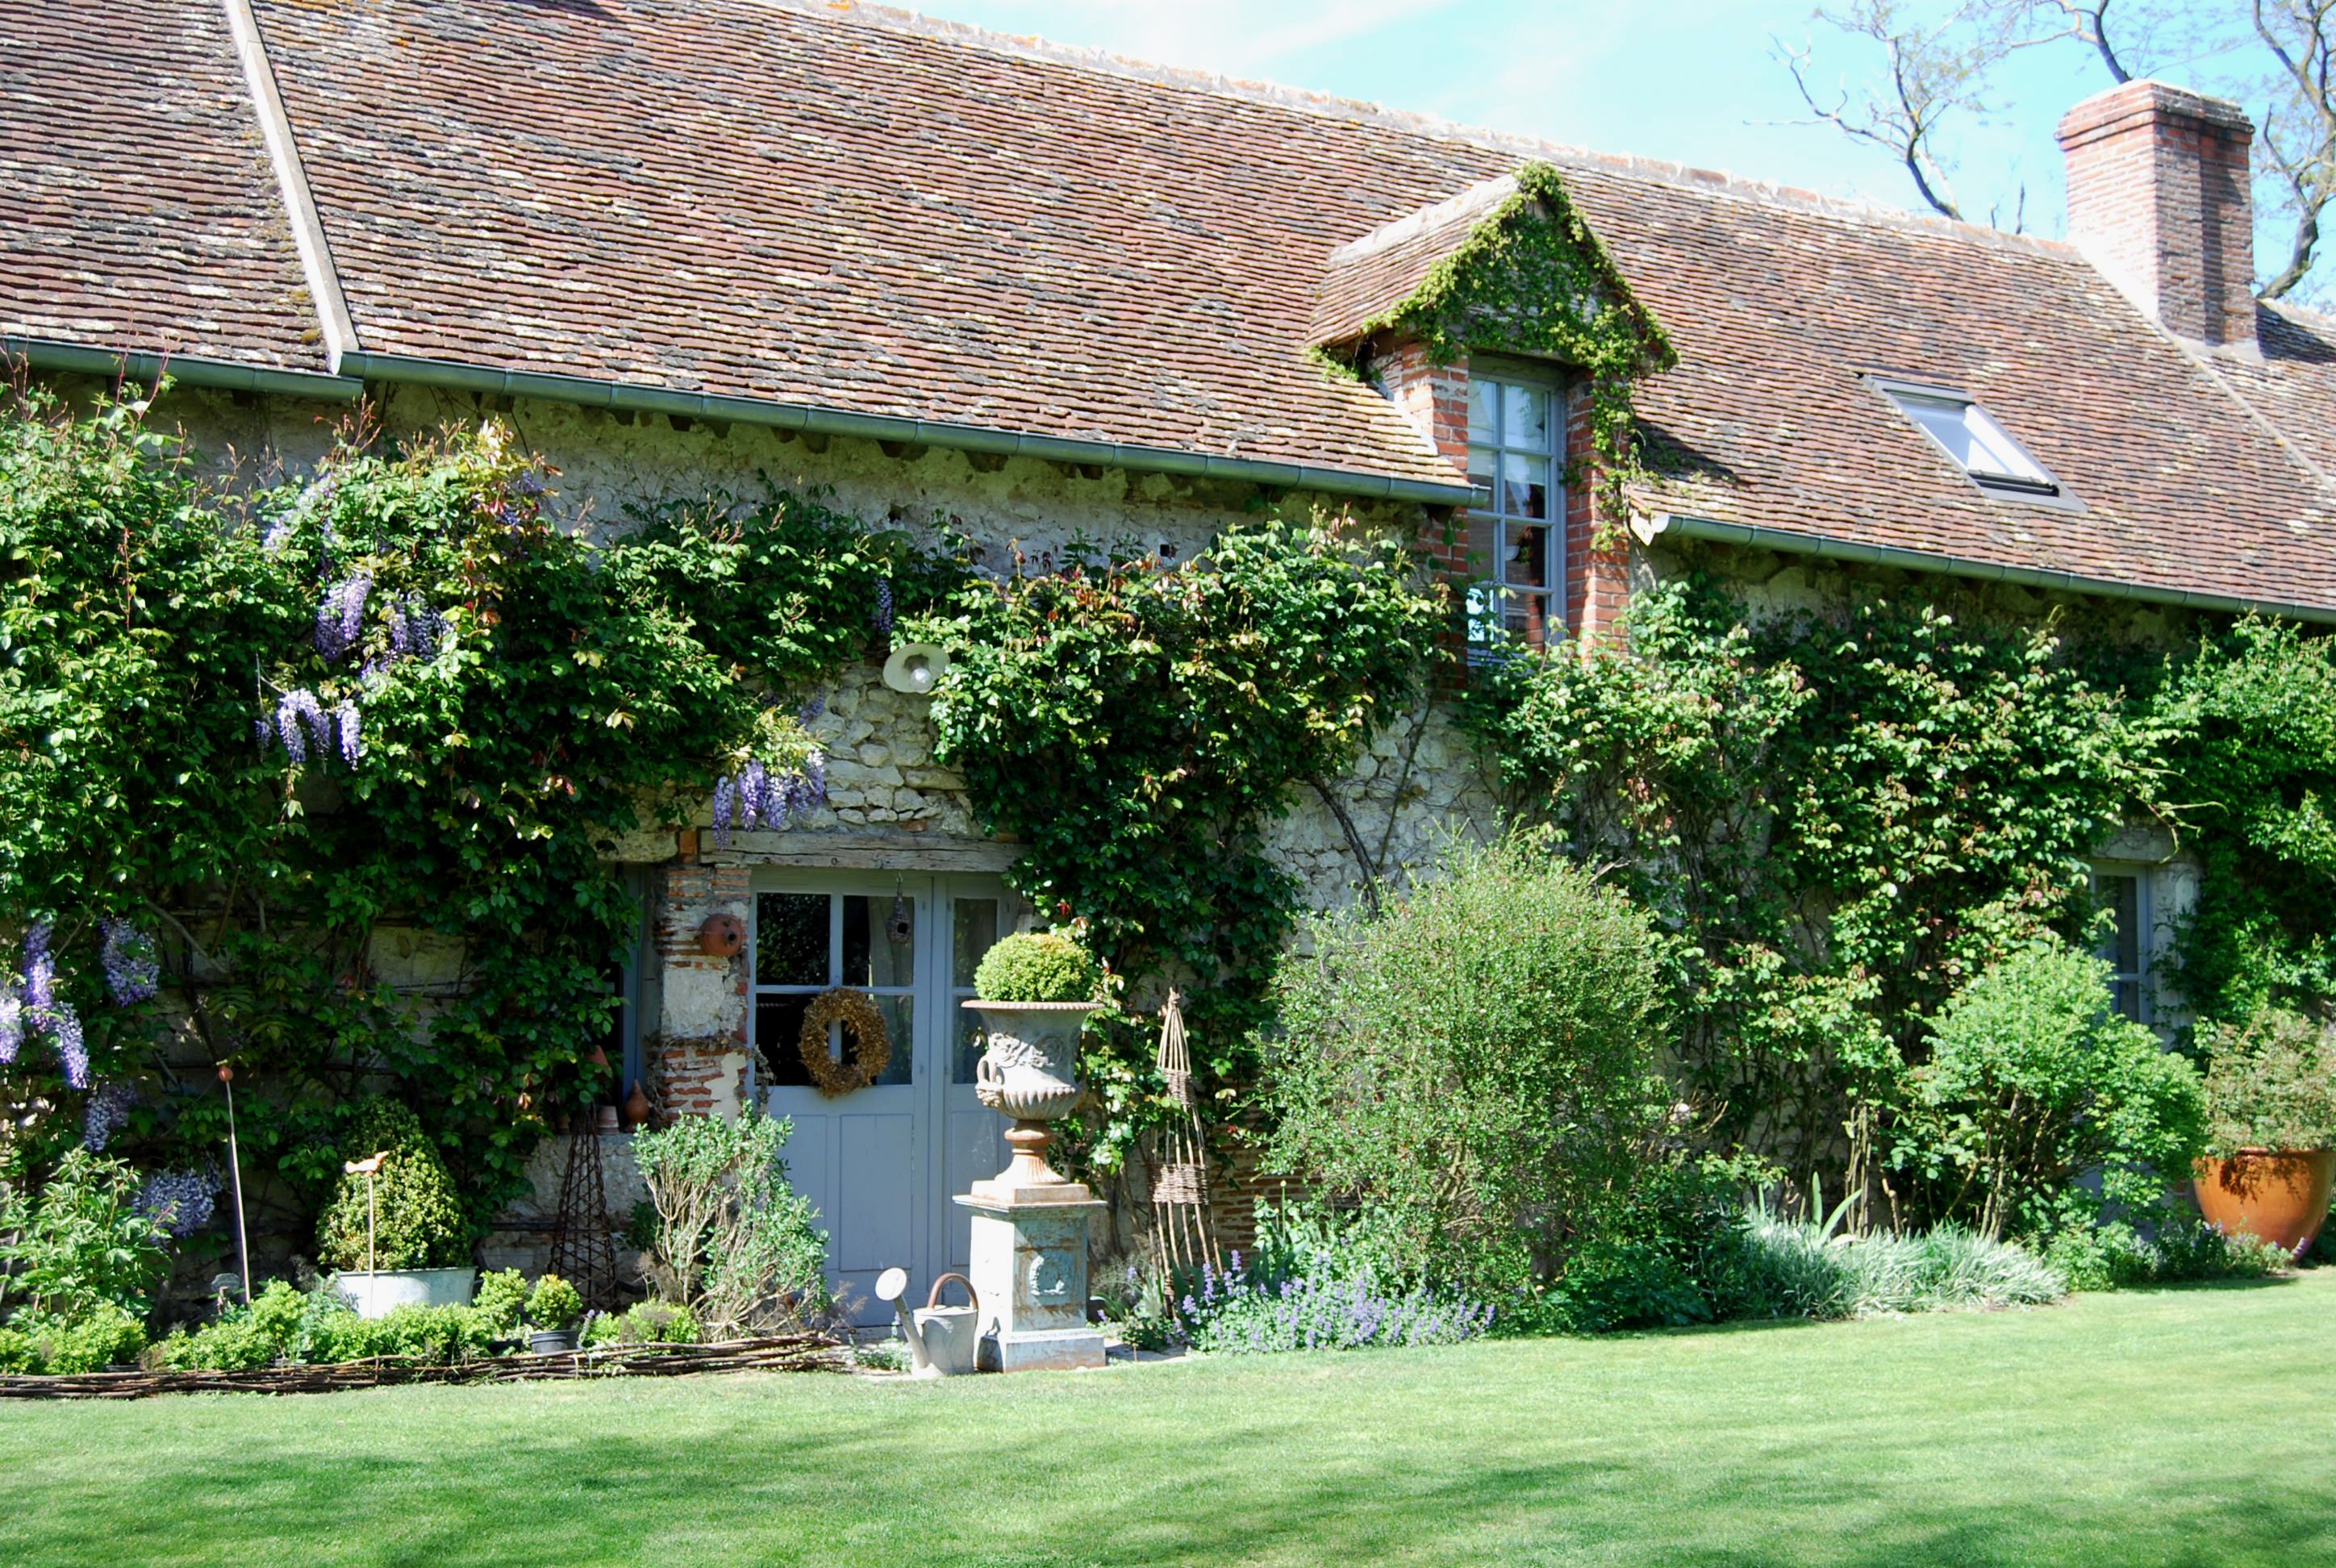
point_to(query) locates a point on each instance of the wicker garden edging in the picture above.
(786, 1353)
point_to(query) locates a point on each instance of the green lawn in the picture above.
(2169, 1427)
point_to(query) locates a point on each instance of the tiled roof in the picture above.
(1779, 309)
(819, 204)
(140, 209)
(1362, 281)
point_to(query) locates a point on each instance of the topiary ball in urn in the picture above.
(1035, 990)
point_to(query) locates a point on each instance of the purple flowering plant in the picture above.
(1319, 1281)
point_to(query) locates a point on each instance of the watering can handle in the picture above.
(933, 1297)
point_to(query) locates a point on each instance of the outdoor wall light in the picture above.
(915, 667)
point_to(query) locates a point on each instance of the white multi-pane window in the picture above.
(1516, 441)
(2125, 945)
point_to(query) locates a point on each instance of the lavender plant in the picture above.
(1320, 1283)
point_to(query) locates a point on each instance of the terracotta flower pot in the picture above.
(2279, 1195)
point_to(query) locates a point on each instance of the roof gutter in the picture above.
(1786, 542)
(188, 370)
(588, 393)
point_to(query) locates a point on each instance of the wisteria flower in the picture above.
(40, 970)
(62, 1026)
(133, 969)
(813, 705)
(884, 606)
(295, 710)
(340, 618)
(180, 1202)
(108, 1112)
(11, 1024)
(352, 734)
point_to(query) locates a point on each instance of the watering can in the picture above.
(942, 1340)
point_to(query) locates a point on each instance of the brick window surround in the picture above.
(1434, 398)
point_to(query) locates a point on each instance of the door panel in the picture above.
(879, 1164)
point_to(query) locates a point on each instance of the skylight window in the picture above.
(1970, 435)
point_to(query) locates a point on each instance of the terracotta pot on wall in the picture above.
(2278, 1194)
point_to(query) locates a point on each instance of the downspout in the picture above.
(1752, 536)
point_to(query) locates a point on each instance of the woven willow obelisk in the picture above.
(583, 1249)
(1182, 1237)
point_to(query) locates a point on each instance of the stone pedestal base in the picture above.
(1030, 1269)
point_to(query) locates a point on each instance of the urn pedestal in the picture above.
(1029, 1268)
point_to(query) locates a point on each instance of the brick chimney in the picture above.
(2159, 200)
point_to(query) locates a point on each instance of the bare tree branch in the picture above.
(1929, 74)
(2297, 141)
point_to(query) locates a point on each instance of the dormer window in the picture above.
(1968, 434)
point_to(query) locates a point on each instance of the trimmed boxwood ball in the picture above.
(1037, 967)
(418, 1220)
(554, 1304)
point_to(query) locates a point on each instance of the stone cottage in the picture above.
(1038, 294)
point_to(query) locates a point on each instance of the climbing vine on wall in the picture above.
(2253, 717)
(1138, 727)
(1844, 818)
(397, 695)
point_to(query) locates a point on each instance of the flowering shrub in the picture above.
(1315, 1285)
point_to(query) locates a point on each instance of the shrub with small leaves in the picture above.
(417, 1219)
(2271, 1083)
(1037, 967)
(554, 1305)
(500, 1300)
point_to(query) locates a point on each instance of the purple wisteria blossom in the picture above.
(340, 618)
(12, 1023)
(133, 969)
(351, 734)
(755, 796)
(279, 533)
(415, 627)
(294, 710)
(813, 705)
(884, 608)
(726, 798)
(62, 1026)
(180, 1202)
(40, 970)
(108, 1112)
(263, 731)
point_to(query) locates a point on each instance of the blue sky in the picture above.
(1694, 79)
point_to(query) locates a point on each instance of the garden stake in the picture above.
(366, 1168)
(234, 1170)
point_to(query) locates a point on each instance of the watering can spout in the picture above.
(942, 1340)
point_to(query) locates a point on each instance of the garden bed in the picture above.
(783, 1353)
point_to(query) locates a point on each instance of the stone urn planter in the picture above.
(2279, 1195)
(376, 1293)
(1029, 1072)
